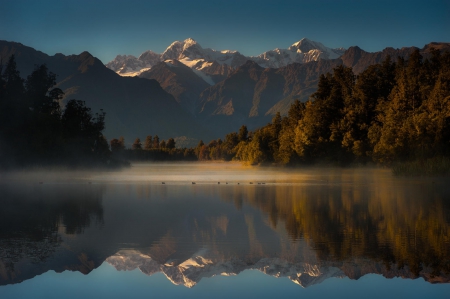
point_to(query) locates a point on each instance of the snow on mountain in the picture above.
(202, 264)
(201, 60)
(149, 58)
(302, 51)
(129, 65)
(173, 51)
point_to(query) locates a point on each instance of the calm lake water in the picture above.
(242, 232)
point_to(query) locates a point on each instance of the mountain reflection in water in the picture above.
(307, 225)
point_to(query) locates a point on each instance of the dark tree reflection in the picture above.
(31, 218)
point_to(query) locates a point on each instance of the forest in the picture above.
(393, 113)
(35, 131)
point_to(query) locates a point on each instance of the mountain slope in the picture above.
(126, 65)
(251, 95)
(135, 107)
(178, 80)
(359, 60)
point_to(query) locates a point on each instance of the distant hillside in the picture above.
(134, 107)
(178, 80)
(252, 95)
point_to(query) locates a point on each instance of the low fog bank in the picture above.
(204, 173)
(48, 175)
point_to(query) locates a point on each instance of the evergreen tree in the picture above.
(203, 153)
(286, 152)
(14, 115)
(14, 90)
(198, 148)
(170, 143)
(276, 126)
(318, 134)
(372, 85)
(257, 150)
(148, 144)
(156, 142)
(122, 142)
(243, 133)
(34, 131)
(82, 133)
(116, 146)
(229, 145)
(137, 145)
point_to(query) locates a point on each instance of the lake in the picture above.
(220, 230)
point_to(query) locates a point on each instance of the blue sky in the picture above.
(106, 28)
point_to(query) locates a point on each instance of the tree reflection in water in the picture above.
(396, 222)
(335, 225)
(31, 218)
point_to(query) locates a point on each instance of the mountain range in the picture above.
(235, 89)
(192, 93)
(213, 66)
(303, 273)
(202, 265)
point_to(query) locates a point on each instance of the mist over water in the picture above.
(199, 173)
(307, 225)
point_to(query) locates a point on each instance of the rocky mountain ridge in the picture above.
(212, 63)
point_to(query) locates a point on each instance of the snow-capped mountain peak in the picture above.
(172, 51)
(207, 62)
(149, 54)
(189, 42)
(203, 264)
(305, 45)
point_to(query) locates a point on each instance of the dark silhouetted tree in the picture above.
(116, 146)
(243, 133)
(82, 132)
(156, 142)
(137, 145)
(148, 144)
(170, 143)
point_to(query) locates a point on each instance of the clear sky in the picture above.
(106, 28)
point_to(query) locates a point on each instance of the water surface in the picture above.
(221, 229)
